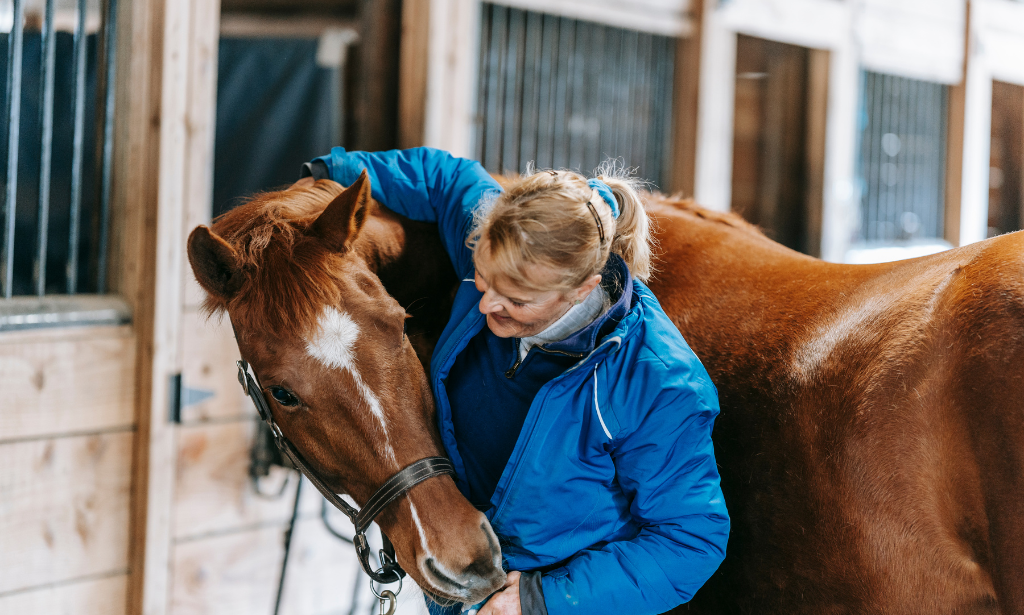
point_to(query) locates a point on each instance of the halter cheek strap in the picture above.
(392, 489)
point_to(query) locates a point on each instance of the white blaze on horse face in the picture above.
(334, 346)
(428, 554)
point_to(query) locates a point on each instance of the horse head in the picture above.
(299, 282)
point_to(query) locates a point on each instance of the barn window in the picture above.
(902, 158)
(589, 92)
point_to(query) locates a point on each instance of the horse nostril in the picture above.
(440, 576)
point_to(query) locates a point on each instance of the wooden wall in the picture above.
(66, 435)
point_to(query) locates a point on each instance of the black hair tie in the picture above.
(597, 219)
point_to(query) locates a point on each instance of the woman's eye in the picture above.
(284, 397)
(517, 304)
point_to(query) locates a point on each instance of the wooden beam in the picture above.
(104, 595)
(805, 23)
(413, 70)
(913, 38)
(65, 509)
(67, 380)
(840, 207)
(685, 106)
(713, 170)
(377, 58)
(664, 17)
(815, 146)
(977, 139)
(440, 62)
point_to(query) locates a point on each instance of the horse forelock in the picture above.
(289, 277)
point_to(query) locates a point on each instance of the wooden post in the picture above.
(163, 162)
(685, 106)
(815, 146)
(376, 109)
(440, 50)
(839, 210)
(713, 168)
(977, 139)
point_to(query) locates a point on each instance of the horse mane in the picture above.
(678, 203)
(288, 276)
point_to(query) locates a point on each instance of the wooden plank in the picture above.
(95, 596)
(67, 380)
(840, 207)
(209, 353)
(213, 492)
(237, 574)
(452, 64)
(665, 17)
(815, 148)
(819, 24)
(413, 70)
(377, 60)
(914, 40)
(686, 104)
(713, 170)
(999, 28)
(64, 504)
(977, 140)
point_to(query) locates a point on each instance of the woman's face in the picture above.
(518, 312)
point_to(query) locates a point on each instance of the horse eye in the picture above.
(284, 396)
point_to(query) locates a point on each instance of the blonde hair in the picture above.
(544, 218)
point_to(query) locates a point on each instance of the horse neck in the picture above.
(414, 268)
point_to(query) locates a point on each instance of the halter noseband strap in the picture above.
(392, 489)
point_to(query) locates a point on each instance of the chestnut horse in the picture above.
(871, 439)
(301, 274)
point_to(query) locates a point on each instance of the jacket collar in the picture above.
(618, 283)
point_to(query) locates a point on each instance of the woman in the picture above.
(574, 412)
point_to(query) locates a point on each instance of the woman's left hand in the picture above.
(506, 601)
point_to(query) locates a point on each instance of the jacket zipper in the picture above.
(546, 388)
(511, 372)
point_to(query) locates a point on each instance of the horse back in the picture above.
(871, 431)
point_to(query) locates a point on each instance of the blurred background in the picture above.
(133, 477)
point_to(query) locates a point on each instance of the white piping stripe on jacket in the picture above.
(598, 408)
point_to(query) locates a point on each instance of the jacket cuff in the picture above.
(317, 169)
(531, 594)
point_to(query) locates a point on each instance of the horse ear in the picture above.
(339, 224)
(214, 263)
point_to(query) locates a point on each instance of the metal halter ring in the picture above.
(378, 594)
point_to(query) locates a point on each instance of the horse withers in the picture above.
(302, 286)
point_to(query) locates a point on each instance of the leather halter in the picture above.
(392, 489)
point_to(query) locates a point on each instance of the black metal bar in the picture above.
(78, 150)
(15, 49)
(107, 156)
(288, 546)
(48, 59)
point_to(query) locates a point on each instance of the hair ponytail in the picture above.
(633, 236)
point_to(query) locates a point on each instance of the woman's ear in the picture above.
(584, 290)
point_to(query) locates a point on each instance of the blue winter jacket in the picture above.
(612, 490)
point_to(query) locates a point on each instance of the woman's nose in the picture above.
(488, 304)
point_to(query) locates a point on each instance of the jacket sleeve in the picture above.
(424, 184)
(667, 468)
